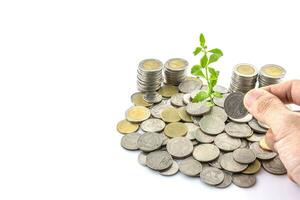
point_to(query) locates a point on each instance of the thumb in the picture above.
(266, 107)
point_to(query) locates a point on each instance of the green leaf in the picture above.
(197, 51)
(210, 104)
(200, 97)
(197, 71)
(216, 51)
(213, 82)
(204, 60)
(217, 94)
(214, 58)
(214, 74)
(202, 40)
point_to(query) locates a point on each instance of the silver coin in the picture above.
(149, 142)
(187, 86)
(238, 130)
(274, 166)
(187, 98)
(216, 162)
(159, 160)
(219, 101)
(256, 137)
(226, 182)
(234, 105)
(244, 143)
(142, 158)
(220, 89)
(244, 155)
(211, 125)
(202, 137)
(256, 127)
(180, 147)
(261, 153)
(170, 171)
(196, 119)
(243, 180)
(153, 125)
(177, 100)
(152, 97)
(263, 125)
(157, 109)
(245, 119)
(190, 167)
(212, 176)
(129, 141)
(197, 109)
(165, 139)
(216, 111)
(229, 164)
(226, 142)
(191, 130)
(206, 152)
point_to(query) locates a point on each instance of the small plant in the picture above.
(204, 70)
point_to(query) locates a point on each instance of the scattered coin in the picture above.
(170, 114)
(168, 90)
(244, 143)
(177, 100)
(202, 137)
(274, 166)
(165, 139)
(256, 137)
(252, 168)
(157, 109)
(228, 163)
(191, 128)
(153, 125)
(216, 162)
(211, 125)
(234, 105)
(218, 112)
(226, 142)
(129, 141)
(138, 99)
(187, 86)
(220, 89)
(261, 153)
(206, 152)
(226, 182)
(180, 147)
(238, 130)
(175, 129)
(126, 127)
(256, 127)
(244, 155)
(263, 144)
(184, 116)
(243, 180)
(197, 109)
(159, 160)
(137, 114)
(142, 158)
(212, 176)
(152, 97)
(219, 101)
(245, 119)
(149, 142)
(171, 171)
(190, 167)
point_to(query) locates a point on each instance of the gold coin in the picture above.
(175, 129)
(177, 64)
(263, 144)
(151, 64)
(245, 69)
(170, 114)
(252, 168)
(168, 90)
(273, 71)
(126, 127)
(184, 115)
(138, 99)
(137, 114)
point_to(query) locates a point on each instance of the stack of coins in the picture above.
(149, 79)
(175, 71)
(270, 74)
(243, 78)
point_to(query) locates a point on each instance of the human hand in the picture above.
(267, 105)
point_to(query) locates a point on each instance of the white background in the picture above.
(68, 68)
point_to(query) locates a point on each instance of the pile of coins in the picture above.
(270, 74)
(149, 79)
(243, 78)
(222, 144)
(175, 71)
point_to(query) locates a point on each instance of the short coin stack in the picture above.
(175, 71)
(149, 79)
(219, 145)
(270, 74)
(243, 78)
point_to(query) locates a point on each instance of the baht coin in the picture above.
(175, 129)
(211, 125)
(187, 86)
(157, 109)
(212, 176)
(239, 130)
(159, 160)
(142, 158)
(220, 89)
(234, 105)
(202, 137)
(180, 147)
(168, 90)
(170, 114)
(228, 163)
(190, 167)
(126, 127)
(252, 168)
(226, 182)
(256, 137)
(243, 180)
(177, 100)
(149, 142)
(191, 130)
(226, 142)
(218, 112)
(206, 152)
(138, 99)
(261, 153)
(219, 101)
(244, 155)
(274, 166)
(264, 145)
(137, 114)
(170, 171)
(153, 125)
(256, 127)
(197, 109)
(245, 119)
(184, 116)
(129, 141)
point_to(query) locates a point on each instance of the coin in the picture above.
(270, 74)
(184, 116)
(157, 109)
(202, 137)
(187, 98)
(175, 129)
(218, 112)
(256, 137)
(263, 125)
(137, 114)
(238, 130)
(190, 167)
(264, 145)
(142, 158)
(216, 162)
(212, 176)
(261, 153)
(170, 114)
(206, 152)
(274, 166)
(211, 125)
(129, 141)
(179, 147)
(220, 89)
(153, 125)
(245, 119)
(226, 182)
(152, 97)
(234, 105)
(244, 155)
(168, 90)
(191, 129)
(219, 101)
(187, 86)
(177, 100)
(149, 142)
(228, 163)
(174, 70)
(159, 160)
(256, 127)
(171, 171)
(226, 142)
(197, 109)
(126, 127)
(244, 143)
(243, 180)
(138, 99)
(252, 168)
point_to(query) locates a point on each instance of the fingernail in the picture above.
(251, 97)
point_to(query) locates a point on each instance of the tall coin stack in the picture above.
(149, 79)
(270, 74)
(175, 71)
(243, 78)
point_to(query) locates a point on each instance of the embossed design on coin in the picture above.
(137, 114)
(175, 129)
(229, 164)
(212, 176)
(234, 105)
(159, 160)
(126, 127)
(171, 171)
(197, 109)
(187, 86)
(149, 142)
(238, 130)
(244, 156)
(180, 147)
(243, 180)
(153, 125)
(129, 141)
(261, 153)
(206, 152)
(211, 125)
(190, 167)
(226, 142)
(274, 166)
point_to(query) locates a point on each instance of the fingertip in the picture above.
(251, 97)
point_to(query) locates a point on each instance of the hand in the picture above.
(267, 105)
